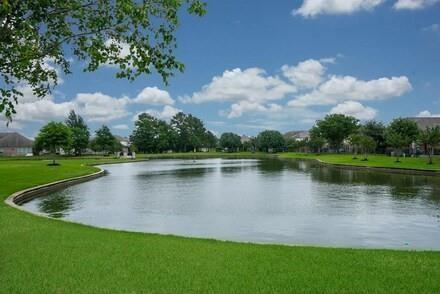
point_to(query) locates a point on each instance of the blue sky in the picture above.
(255, 65)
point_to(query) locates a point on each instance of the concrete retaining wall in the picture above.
(25, 195)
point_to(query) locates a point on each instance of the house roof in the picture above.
(424, 122)
(297, 135)
(14, 140)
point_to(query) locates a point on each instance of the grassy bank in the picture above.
(417, 163)
(39, 255)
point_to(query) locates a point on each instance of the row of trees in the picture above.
(373, 136)
(266, 141)
(185, 132)
(73, 136)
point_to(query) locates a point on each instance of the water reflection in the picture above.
(295, 202)
(57, 205)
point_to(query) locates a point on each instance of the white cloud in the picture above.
(99, 107)
(427, 113)
(43, 110)
(120, 127)
(414, 4)
(237, 109)
(165, 114)
(311, 8)
(342, 88)
(306, 74)
(252, 84)
(355, 109)
(154, 96)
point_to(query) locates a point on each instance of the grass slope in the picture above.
(418, 163)
(39, 255)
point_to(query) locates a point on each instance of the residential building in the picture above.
(297, 135)
(15, 144)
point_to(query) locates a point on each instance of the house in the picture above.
(297, 135)
(424, 122)
(14, 144)
(125, 146)
(245, 139)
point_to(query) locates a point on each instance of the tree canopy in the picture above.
(230, 141)
(152, 135)
(430, 137)
(375, 130)
(39, 38)
(104, 140)
(80, 132)
(52, 137)
(335, 128)
(270, 140)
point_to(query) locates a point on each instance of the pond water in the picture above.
(269, 201)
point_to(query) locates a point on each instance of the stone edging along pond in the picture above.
(22, 196)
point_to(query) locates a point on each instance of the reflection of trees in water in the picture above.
(401, 186)
(272, 166)
(56, 205)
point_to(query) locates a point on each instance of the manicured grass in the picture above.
(39, 255)
(419, 163)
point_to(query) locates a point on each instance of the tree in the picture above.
(38, 38)
(250, 145)
(400, 134)
(210, 140)
(316, 141)
(230, 142)
(104, 141)
(355, 142)
(367, 144)
(375, 130)
(271, 140)
(145, 133)
(335, 128)
(52, 137)
(190, 132)
(430, 138)
(80, 132)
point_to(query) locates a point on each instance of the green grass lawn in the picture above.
(39, 255)
(419, 163)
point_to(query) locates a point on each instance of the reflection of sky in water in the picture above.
(293, 202)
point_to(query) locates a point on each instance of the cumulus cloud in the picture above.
(311, 8)
(154, 96)
(43, 110)
(94, 107)
(427, 113)
(342, 88)
(414, 4)
(355, 109)
(307, 74)
(165, 114)
(252, 84)
(98, 107)
(237, 109)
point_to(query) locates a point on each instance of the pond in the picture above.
(268, 201)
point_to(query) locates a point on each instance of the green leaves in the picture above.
(335, 128)
(33, 33)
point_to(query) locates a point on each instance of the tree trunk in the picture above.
(430, 153)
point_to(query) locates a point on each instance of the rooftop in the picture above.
(14, 140)
(424, 122)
